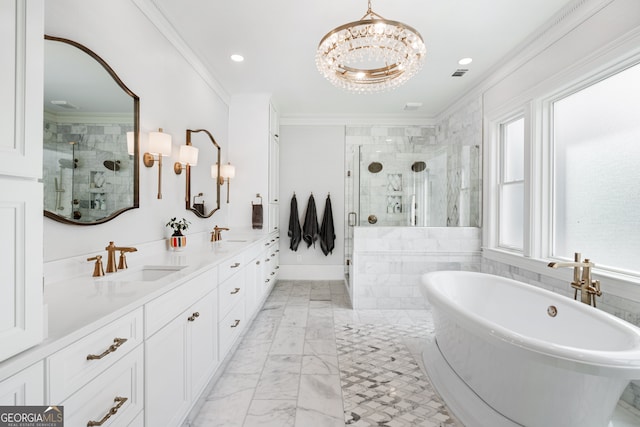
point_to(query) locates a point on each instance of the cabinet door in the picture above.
(274, 171)
(24, 388)
(202, 318)
(20, 266)
(252, 295)
(21, 87)
(166, 365)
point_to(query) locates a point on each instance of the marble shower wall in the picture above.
(388, 262)
(94, 187)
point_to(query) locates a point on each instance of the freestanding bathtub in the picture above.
(536, 358)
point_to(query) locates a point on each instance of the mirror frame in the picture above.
(136, 135)
(188, 177)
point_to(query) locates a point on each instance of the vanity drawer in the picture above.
(124, 380)
(74, 366)
(165, 308)
(229, 328)
(230, 267)
(230, 293)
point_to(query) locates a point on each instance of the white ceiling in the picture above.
(278, 39)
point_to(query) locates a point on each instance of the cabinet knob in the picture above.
(117, 342)
(257, 262)
(112, 411)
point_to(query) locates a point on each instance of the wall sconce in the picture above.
(227, 172)
(159, 145)
(188, 157)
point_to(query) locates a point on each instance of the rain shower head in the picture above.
(111, 165)
(418, 166)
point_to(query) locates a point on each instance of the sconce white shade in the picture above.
(131, 143)
(227, 171)
(160, 143)
(188, 155)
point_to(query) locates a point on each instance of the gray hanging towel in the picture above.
(295, 232)
(310, 227)
(327, 233)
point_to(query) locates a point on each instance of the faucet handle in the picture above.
(122, 262)
(97, 269)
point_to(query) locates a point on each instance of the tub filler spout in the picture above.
(582, 281)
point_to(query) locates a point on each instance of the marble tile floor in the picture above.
(309, 360)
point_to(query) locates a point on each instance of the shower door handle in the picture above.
(355, 217)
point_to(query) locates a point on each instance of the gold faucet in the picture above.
(582, 281)
(111, 258)
(216, 234)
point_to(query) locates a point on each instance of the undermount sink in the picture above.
(146, 273)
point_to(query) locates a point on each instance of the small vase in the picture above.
(177, 241)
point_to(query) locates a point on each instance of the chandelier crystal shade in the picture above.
(370, 55)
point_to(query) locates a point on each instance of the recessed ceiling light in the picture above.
(237, 58)
(465, 61)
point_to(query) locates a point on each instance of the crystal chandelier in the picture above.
(370, 55)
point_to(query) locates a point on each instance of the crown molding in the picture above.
(153, 13)
(563, 22)
(313, 120)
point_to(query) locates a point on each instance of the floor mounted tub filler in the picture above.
(507, 353)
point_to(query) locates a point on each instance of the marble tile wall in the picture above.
(96, 143)
(618, 306)
(389, 261)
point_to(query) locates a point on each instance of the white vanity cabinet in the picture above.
(115, 397)
(74, 366)
(272, 260)
(231, 299)
(21, 201)
(181, 355)
(24, 387)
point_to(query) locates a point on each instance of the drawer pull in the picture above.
(235, 291)
(266, 244)
(257, 262)
(272, 255)
(235, 324)
(193, 317)
(117, 342)
(277, 267)
(119, 402)
(267, 260)
(273, 272)
(277, 250)
(235, 265)
(267, 281)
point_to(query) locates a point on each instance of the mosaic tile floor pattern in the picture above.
(382, 384)
(309, 360)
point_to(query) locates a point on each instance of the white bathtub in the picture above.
(532, 369)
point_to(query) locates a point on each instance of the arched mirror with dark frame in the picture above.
(90, 138)
(202, 196)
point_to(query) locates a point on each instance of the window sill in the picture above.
(620, 285)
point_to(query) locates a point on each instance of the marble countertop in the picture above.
(77, 305)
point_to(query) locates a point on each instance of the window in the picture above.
(596, 174)
(511, 186)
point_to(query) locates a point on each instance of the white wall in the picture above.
(173, 96)
(312, 161)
